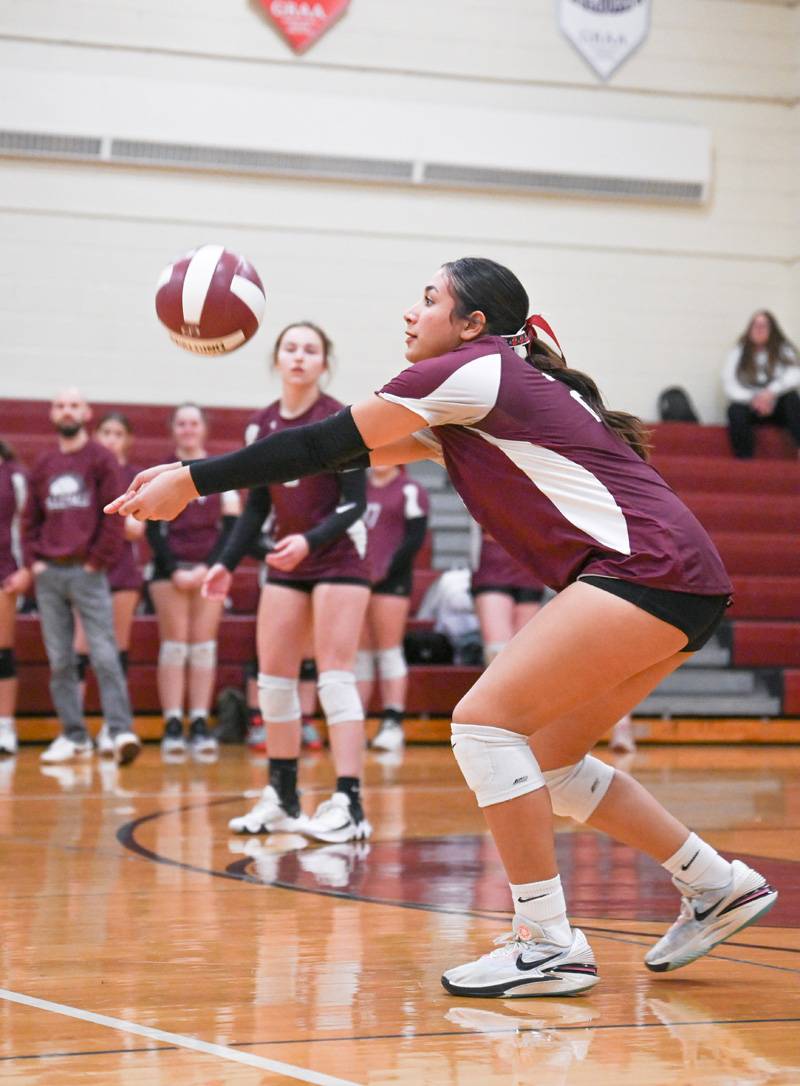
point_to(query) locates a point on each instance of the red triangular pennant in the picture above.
(302, 22)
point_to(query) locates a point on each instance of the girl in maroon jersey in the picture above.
(397, 519)
(563, 484)
(318, 579)
(506, 594)
(13, 581)
(125, 580)
(188, 622)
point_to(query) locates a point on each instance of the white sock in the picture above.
(6, 721)
(543, 903)
(169, 713)
(195, 713)
(699, 865)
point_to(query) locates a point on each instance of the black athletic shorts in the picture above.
(518, 595)
(697, 616)
(309, 586)
(400, 584)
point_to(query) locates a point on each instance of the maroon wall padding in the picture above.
(765, 597)
(436, 689)
(791, 693)
(766, 644)
(724, 512)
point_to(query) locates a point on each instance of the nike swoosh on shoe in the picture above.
(525, 966)
(702, 914)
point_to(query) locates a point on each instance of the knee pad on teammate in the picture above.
(339, 697)
(278, 699)
(365, 666)
(203, 655)
(576, 790)
(497, 764)
(391, 663)
(173, 653)
(8, 667)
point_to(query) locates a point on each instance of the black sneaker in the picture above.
(172, 741)
(200, 739)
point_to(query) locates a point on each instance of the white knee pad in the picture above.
(576, 790)
(497, 764)
(392, 663)
(173, 653)
(365, 666)
(203, 654)
(278, 699)
(339, 697)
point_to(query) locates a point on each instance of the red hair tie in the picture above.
(528, 332)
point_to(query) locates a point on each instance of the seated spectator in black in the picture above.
(761, 380)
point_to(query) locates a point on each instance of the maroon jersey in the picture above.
(388, 509)
(299, 505)
(497, 569)
(12, 500)
(191, 536)
(64, 516)
(125, 575)
(539, 470)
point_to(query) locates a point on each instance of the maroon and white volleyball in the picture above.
(211, 301)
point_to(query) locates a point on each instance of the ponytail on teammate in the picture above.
(477, 283)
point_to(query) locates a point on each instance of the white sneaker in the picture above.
(337, 820)
(127, 747)
(173, 743)
(708, 917)
(268, 816)
(104, 742)
(203, 745)
(8, 738)
(64, 750)
(390, 736)
(527, 964)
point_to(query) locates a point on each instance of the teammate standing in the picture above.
(13, 581)
(561, 482)
(125, 579)
(396, 519)
(318, 578)
(187, 621)
(506, 594)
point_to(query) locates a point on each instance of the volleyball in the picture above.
(211, 300)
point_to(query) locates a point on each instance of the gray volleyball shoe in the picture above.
(707, 918)
(526, 963)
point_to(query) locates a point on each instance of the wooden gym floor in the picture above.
(143, 944)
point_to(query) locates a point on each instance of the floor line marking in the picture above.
(177, 1039)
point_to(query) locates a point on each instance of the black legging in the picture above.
(741, 419)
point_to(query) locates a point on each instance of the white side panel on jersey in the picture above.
(250, 433)
(247, 291)
(427, 438)
(412, 507)
(578, 495)
(358, 536)
(197, 281)
(465, 397)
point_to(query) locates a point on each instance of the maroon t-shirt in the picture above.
(497, 569)
(126, 574)
(64, 514)
(300, 504)
(9, 511)
(193, 534)
(539, 470)
(388, 509)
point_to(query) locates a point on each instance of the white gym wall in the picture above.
(642, 293)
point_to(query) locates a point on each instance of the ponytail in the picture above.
(552, 362)
(479, 284)
(6, 452)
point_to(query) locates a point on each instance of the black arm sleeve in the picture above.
(353, 491)
(242, 539)
(294, 453)
(228, 522)
(156, 533)
(414, 537)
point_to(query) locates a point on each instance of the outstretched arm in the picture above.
(344, 440)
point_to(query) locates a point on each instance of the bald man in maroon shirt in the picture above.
(69, 545)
